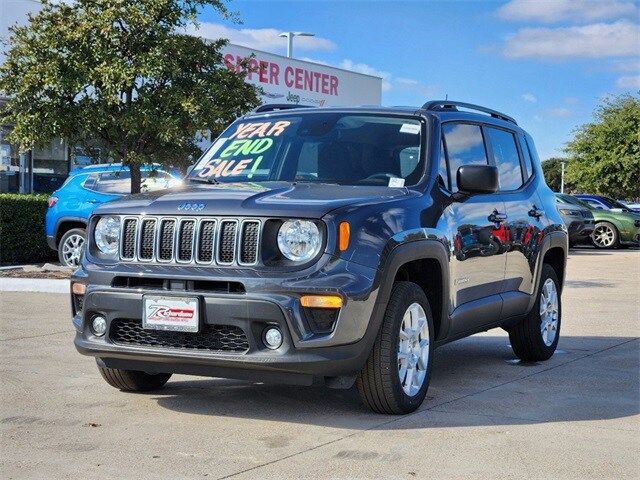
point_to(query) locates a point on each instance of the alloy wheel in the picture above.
(604, 236)
(72, 250)
(413, 349)
(549, 312)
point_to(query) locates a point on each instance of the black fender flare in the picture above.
(68, 219)
(390, 263)
(555, 239)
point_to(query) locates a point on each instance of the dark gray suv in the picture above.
(333, 246)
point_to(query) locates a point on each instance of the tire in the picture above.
(70, 247)
(133, 380)
(529, 340)
(605, 235)
(379, 383)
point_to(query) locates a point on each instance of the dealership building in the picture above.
(282, 80)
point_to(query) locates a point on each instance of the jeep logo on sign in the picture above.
(194, 207)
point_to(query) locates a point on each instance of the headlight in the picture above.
(299, 240)
(107, 235)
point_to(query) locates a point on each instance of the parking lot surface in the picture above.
(487, 415)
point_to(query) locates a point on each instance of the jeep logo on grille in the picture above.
(194, 207)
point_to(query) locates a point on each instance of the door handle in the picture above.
(497, 217)
(535, 212)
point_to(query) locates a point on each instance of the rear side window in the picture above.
(90, 182)
(506, 156)
(114, 182)
(526, 154)
(442, 167)
(465, 146)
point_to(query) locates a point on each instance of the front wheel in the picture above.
(133, 380)
(605, 235)
(536, 337)
(395, 378)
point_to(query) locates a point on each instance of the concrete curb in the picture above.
(33, 285)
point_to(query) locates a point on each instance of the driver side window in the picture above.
(464, 146)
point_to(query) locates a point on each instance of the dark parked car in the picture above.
(333, 245)
(614, 227)
(578, 219)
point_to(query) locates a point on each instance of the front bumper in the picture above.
(304, 357)
(51, 241)
(580, 229)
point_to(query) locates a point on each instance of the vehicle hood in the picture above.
(609, 214)
(306, 200)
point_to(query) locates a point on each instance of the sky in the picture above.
(548, 63)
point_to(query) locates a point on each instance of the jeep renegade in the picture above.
(328, 245)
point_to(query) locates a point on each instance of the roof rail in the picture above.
(274, 107)
(444, 105)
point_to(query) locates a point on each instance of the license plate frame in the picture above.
(169, 313)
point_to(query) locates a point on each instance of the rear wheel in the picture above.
(133, 380)
(536, 337)
(70, 247)
(396, 375)
(605, 235)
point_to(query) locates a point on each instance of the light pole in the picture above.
(562, 176)
(289, 36)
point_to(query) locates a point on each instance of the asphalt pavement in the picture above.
(487, 415)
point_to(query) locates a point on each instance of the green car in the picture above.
(613, 227)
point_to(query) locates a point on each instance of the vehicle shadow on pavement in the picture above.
(475, 381)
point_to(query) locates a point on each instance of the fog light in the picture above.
(99, 326)
(272, 338)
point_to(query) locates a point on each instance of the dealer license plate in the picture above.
(170, 313)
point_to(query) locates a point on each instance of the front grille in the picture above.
(212, 338)
(205, 244)
(249, 251)
(166, 240)
(185, 240)
(227, 249)
(129, 238)
(146, 242)
(203, 240)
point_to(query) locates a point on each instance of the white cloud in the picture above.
(368, 70)
(258, 38)
(529, 97)
(559, 112)
(389, 81)
(627, 66)
(598, 40)
(631, 82)
(569, 10)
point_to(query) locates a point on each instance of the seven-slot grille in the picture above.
(206, 240)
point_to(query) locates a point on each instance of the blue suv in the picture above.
(72, 204)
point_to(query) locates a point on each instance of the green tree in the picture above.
(605, 154)
(552, 169)
(121, 73)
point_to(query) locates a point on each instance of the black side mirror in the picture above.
(477, 179)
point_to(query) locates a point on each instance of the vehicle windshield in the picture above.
(611, 203)
(322, 147)
(574, 201)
